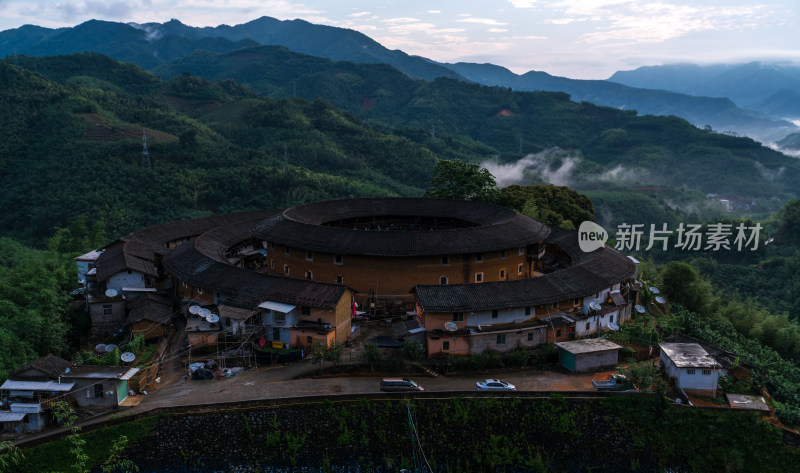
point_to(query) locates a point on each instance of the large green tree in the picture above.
(458, 180)
(553, 205)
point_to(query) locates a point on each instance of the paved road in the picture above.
(278, 383)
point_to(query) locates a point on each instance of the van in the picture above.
(400, 384)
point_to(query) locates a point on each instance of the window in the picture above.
(527, 311)
(305, 310)
(554, 305)
(272, 264)
(185, 286)
(478, 277)
(443, 280)
(495, 313)
(576, 301)
(706, 372)
(503, 273)
(309, 340)
(479, 258)
(339, 279)
(445, 346)
(458, 316)
(108, 310)
(521, 250)
(501, 339)
(272, 245)
(689, 371)
(502, 254)
(588, 326)
(98, 390)
(199, 290)
(287, 251)
(309, 255)
(337, 259)
(280, 317)
(445, 261)
(611, 319)
(309, 275)
(558, 333)
(520, 268)
(285, 269)
(530, 336)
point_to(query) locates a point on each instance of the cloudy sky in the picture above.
(587, 39)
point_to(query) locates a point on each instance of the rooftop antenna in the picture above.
(145, 155)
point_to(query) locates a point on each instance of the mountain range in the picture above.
(151, 45)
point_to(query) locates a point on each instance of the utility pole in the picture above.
(145, 155)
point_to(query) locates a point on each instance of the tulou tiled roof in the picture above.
(596, 271)
(149, 307)
(50, 365)
(123, 256)
(244, 288)
(494, 228)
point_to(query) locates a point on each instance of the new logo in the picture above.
(591, 236)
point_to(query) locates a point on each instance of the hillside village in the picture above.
(238, 291)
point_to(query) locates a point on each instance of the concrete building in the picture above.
(694, 370)
(589, 354)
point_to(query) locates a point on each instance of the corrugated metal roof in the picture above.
(47, 386)
(235, 313)
(129, 374)
(6, 416)
(25, 407)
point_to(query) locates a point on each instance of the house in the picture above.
(694, 370)
(99, 386)
(27, 403)
(85, 263)
(503, 338)
(588, 354)
(150, 315)
(47, 368)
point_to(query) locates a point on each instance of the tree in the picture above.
(372, 353)
(458, 180)
(553, 205)
(683, 285)
(789, 227)
(644, 375)
(412, 349)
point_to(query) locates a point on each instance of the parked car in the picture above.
(400, 384)
(494, 385)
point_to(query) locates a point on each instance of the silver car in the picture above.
(494, 385)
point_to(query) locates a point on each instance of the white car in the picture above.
(494, 385)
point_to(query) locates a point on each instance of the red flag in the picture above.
(262, 342)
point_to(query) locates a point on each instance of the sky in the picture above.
(581, 39)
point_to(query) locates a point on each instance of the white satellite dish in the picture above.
(111, 347)
(66, 371)
(100, 348)
(595, 305)
(204, 313)
(654, 290)
(212, 318)
(127, 357)
(660, 300)
(613, 326)
(450, 326)
(111, 293)
(640, 309)
(194, 310)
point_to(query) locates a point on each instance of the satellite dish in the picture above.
(654, 290)
(111, 347)
(613, 326)
(127, 357)
(595, 305)
(111, 293)
(66, 371)
(639, 308)
(660, 299)
(101, 348)
(212, 318)
(204, 313)
(450, 326)
(194, 310)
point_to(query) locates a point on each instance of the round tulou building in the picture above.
(464, 276)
